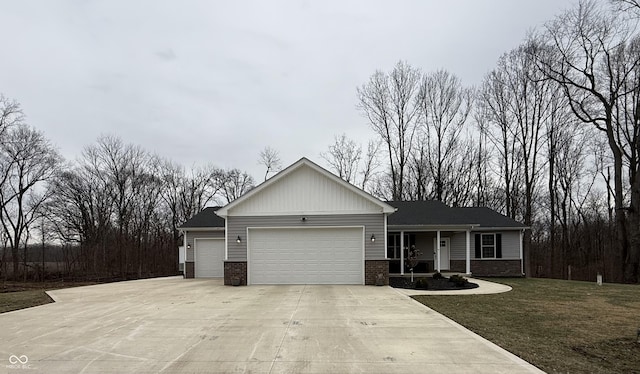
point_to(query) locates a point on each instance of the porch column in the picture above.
(438, 251)
(521, 254)
(468, 258)
(402, 252)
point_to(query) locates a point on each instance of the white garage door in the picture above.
(209, 258)
(306, 256)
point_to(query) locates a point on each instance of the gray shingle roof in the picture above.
(410, 213)
(432, 212)
(206, 218)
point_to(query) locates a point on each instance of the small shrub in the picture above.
(458, 280)
(437, 275)
(422, 284)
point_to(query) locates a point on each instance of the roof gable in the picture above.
(304, 188)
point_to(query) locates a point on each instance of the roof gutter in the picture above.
(433, 227)
(183, 229)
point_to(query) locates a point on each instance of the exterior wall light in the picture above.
(188, 246)
(238, 240)
(373, 238)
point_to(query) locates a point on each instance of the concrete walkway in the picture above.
(174, 325)
(484, 288)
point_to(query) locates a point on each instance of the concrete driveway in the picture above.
(174, 325)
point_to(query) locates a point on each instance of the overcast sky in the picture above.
(217, 81)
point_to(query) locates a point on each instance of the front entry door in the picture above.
(445, 258)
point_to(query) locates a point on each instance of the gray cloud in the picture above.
(214, 81)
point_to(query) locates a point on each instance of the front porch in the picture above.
(453, 255)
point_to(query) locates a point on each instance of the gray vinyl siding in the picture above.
(458, 246)
(510, 243)
(373, 224)
(199, 235)
(457, 242)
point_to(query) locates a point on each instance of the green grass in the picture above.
(559, 326)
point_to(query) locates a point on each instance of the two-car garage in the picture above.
(302, 226)
(306, 256)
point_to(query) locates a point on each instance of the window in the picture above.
(393, 245)
(488, 246)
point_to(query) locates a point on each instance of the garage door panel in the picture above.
(209, 255)
(306, 256)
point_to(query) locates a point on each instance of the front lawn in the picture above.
(559, 326)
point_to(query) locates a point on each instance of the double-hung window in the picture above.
(488, 246)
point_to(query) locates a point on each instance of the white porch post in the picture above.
(438, 250)
(402, 252)
(521, 254)
(468, 258)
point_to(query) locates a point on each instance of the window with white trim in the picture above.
(488, 245)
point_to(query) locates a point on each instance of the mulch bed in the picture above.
(433, 284)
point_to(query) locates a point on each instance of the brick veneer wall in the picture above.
(235, 269)
(374, 267)
(189, 270)
(496, 268)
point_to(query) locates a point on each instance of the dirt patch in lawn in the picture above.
(20, 295)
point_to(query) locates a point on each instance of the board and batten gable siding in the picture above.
(191, 235)
(510, 244)
(373, 225)
(305, 191)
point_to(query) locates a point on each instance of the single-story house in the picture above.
(305, 225)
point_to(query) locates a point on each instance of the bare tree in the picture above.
(185, 194)
(343, 157)
(30, 162)
(627, 6)
(371, 163)
(589, 54)
(497, 127)
(10, 114)
(389, 103)
(270, 158)
(444, 107)
(520, 104)
(235, 184)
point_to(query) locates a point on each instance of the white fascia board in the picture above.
(385, 208)
(431, 227)
(307, 213)
(482, 228)
(202, 228)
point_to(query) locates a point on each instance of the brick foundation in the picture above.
(189, 270)
(374, 267)
(488, 268)
(459, 266)
(235, 269)
(496, 268)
